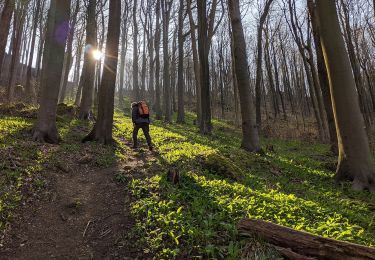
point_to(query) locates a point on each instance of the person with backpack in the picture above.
(141, 120)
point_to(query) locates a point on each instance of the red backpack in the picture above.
(143, 109)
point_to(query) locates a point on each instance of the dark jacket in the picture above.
(136, 118)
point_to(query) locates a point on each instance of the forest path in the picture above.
(84, 214)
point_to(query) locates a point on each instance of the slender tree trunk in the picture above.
(196, 63)
(102, 131)
(277, 80)
(68, 61)
(122, 62)
(137, 94)
(18, 26)
(258, 89)
(221, 83)
(30, 91)
(355, 161)
(151, 51)
(180, 80)
(250, 137)
(77, 101)
(88, 77)
(267, 59)
(144, 60)
(203, 46)
(45, 129)
(166, 6)
(353, 59)
(6, 18)
(158, 110)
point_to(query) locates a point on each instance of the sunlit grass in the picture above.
(220, 184)
(290, 186)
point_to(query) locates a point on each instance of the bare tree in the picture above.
(355, 161)
(180, 80)
(45, 129)
(68, 55)
(102, 130)
(203, 44)
(166, 6)
(88, 73)
(250, 137)
(6, 18)
(258, 91)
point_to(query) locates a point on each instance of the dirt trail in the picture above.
(83, 215)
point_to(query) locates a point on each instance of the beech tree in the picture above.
(203, 45)
(6, 18)
(262, 20)
(68, 55)
(180, 80)
(166, 6)
(355, 162)
(30, 91)
(45, 129)
(102, 130)
(158, 111)
(137, 94)
(250, 137)
(88, 73)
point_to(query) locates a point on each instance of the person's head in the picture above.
(134, 104)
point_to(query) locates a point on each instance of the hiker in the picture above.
(141, 120)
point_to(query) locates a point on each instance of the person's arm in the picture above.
(134, 114)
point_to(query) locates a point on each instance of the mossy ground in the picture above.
(220, 184)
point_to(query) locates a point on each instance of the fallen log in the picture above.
(304, 243)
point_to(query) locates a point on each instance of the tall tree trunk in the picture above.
(88, 77)
(258, 89)
(323, 77)
(151, 51)
(137, 94)
(180, 79)
(203, 46)
(144, 60)
(102, 130)
(221, 83)
(68, 61)
(267, 59)
(45, 129)
(30, 91)
(42, 39)
(18, 26)
(77, 101)
(355, 161)
(196, 61)
(277, 80)
(250, 137)
(158, 110)
(166, 8)
(353, 59)
(124, 48)
(6, 18)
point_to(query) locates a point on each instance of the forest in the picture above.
(187, 129)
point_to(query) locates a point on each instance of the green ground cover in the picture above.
(220, 184)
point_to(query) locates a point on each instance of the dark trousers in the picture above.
(146, 131)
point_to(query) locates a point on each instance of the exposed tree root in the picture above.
(51, 136)
(94, 136)
(362, 177)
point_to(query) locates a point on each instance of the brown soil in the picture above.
(84, 214)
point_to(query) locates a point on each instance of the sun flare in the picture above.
(97, 54)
